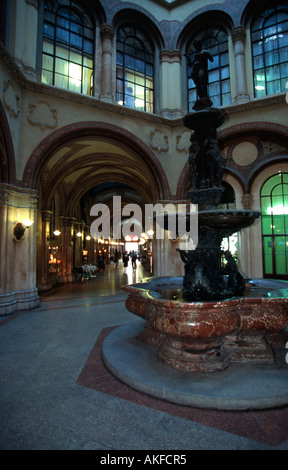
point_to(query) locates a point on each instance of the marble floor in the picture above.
(57, 394)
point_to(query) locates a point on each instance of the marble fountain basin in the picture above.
(208, 336)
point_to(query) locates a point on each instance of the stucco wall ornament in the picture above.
(11, 99)
(183, 141)
(42, 114)
(159, 141)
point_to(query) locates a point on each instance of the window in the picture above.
(228, 202)
(135, 69)
(269, 35)
(215, 41)
(68, 47)
(274, 209)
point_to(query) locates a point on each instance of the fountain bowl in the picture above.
(207, 336)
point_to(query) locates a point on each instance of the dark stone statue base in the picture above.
(206, 198)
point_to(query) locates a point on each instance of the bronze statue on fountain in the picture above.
(205, 277)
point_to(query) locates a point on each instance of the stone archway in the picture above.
(50, 144)
(68, 164)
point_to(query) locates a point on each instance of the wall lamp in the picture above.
(20, 227)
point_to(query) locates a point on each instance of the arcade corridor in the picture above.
(57, 394)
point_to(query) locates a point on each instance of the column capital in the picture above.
(106, 31)
(247, 201)
(170, 56)
(34, 3)
(46, 215)
(238, 34)
(4, 198)
(67, 221)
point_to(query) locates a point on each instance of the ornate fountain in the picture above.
(211, 319)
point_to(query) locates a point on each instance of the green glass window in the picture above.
(68, 47)
(215, 41)
(269, 37)
(274, 209)
(135, 69)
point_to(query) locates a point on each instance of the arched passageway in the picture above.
(75, 169)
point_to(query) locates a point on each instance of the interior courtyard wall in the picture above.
(34, 112)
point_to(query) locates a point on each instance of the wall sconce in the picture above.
(57, 233)
(79, 234)
(20, 227)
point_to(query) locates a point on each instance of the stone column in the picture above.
(170, 72)
(107, 34)
(246, 251)
(18, 249)
(166, 258)
(44, 257)
(67, 253)
(238, 38)
(5, 231)
(23, 46)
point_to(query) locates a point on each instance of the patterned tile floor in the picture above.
(269, 427)
(56, 393)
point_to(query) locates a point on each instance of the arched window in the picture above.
(269, 35)
(215, 41)
(68, 47)
(274, 210)
(135, 69)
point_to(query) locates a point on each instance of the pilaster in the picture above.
(107, 34)
(238, 38)
(170, 70)
(18, 209)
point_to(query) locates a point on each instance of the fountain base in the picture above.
(238, 387)
(208, 336)
(229, 354)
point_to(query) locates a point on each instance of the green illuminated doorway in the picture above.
(274, 210)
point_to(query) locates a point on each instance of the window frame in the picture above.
(135, 63)
(70, 44)
(259, 26)
(272, 223)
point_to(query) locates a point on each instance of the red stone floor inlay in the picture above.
(269, 427)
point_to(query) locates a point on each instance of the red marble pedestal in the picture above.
(208, 336)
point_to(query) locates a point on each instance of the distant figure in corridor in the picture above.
(134, 259)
